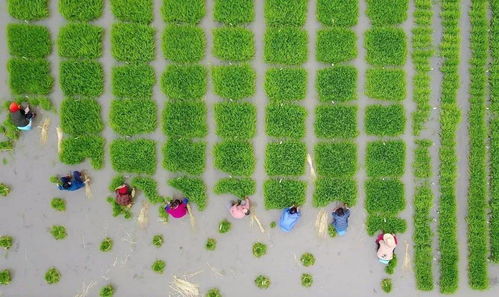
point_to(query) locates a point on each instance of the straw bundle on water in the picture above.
(191, 216)
(88, 190)
(59, 139)
(44, 131)
(184, 288)
(254, 219)
(321, 224)
(143, 218)
(312, 170)
(407, 258)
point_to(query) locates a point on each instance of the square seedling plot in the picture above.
(336, 159)
(81, 116)
(235, 120)
(185, 11)
(184, 43)
(135, 11)
(133, 81)
(133, 42)
(385, 120)
(234, 81)
(30, 41)
(239, 187)
(30, 76)
(80, 41)
(184, 82)
(281, 193)
(336, 121)
(285, 45)
(134, 156)
(339, 13)
(185, 156)
(235, 157)
(336, 45)
(234, 12)
(185, 119)
(386, 46)
(385, 158)
(29, 10)
(76, 150)
(192, 188)
(385, 223)
(337, 84)
(386, 84)
(133, 116)
(285, 158)
(285, 12)
(285, 120)
(329, 189)
(78, 10)
(233, 44)
(286, 84)
(387, 12)
(384, 196)
(84, 78)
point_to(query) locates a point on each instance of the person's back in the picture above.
(71, 183)
(241, 209)
(289, 218)
(18, 119)
(124, 195)
(177, 208)
(340, 220)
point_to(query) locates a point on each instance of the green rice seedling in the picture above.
(136, 11)
(282, 193)
(386, 46)
(331, 231)
(52, 276)
(77, 10)
(184, 43)
(106, 245)
(133, 81)
(29, 76)
(285, 13)
(158, 240)
(422, 159)
(158, 266)
(423, 237)
(188, 11)
(6, 145)
(307, 259)
(386, 285)
(107, 291)
(135, 156)
(336, 121)
(213, 293)
(133, 42)
(307, 280)
(285, 45)
(185, 119)
(184, 82)
(224, 226)
(235, 157)
(58, 204)
(84, 78)
(239, 187)
(273, 224)
(234, 81)
(384, 196)
(149, 186)
(54, 179)
(162, 214)
(385, 223)
(330, 189)
(5, 277)
(336, 45)
(337, 84)
(74, 150)
(285, 158)
(233, 44)
(285, 120)
(59, 232)
(193, 188)
(390, 268)
(28, 10)
(259, 249)
(286, 84)
(234, 12)
(235, 120)
(385, 158)
(185, 156)
(117, 181)
(385, 120)
(211, 244)
(6, 242)
(77, 40)
(262, 282)
(336, 159)
(119, 209)
(4, 190)
(387, 12)
(30, 41)
(339, 13)
(386, 84)
(81, 116)
(133, 116)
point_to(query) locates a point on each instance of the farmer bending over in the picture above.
(71, 182)
(340, 220)
(240, 208)
(21, 117)
(177, 208)
(386, 245)
(124, 195)
(289, 218)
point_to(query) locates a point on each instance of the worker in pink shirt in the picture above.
(240, 208)
(177, 208)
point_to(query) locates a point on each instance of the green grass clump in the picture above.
(339, 13)
(29, 76)
(6, 242)
(133, 81)
(184, 82)
(385, 120)
(262, 282)
(337, 84)
(133, 116)
(29, 10)
(5, 277)
(385, 158)
(234, 81)
(307, 259)
(384, 196)
(117, 181)
(52, 276)
(136, 11)
(158, 266)
(84, 78)
(211, 244)
(188, 11)
(286, 84)
(4, 190)
(285, 13)
(422, 159)
(192, 188)
(185, 156)
(149, 187)
(59, 232)
(336, 121)
(239, 187)
(133, 42)
(235, 120)
(107, 291)
(58, 204)
(386, 84)
(185, 119)
(285, 158)
(385, 223)
(386, 285)
(273, 224)
(77, 10)
(80, 117)
(158, 240)
(331, 231)
(134, 156)
(330, 189)
(336, 159)
(307, 280)
(336, 45)
(30, 41)
(224, 226)
(233, 44)
(106, 245)
(120, 209)
(285, 120)
(259, 249)
(74, 150)
(77, 40)
(235, 157)
(286, 45)
(387, 12)
(283, 193)
(390, 268)
(184, 44)
(234, 12)
(386, 46)
(213, 293)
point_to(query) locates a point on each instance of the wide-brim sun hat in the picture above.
(389, 240)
